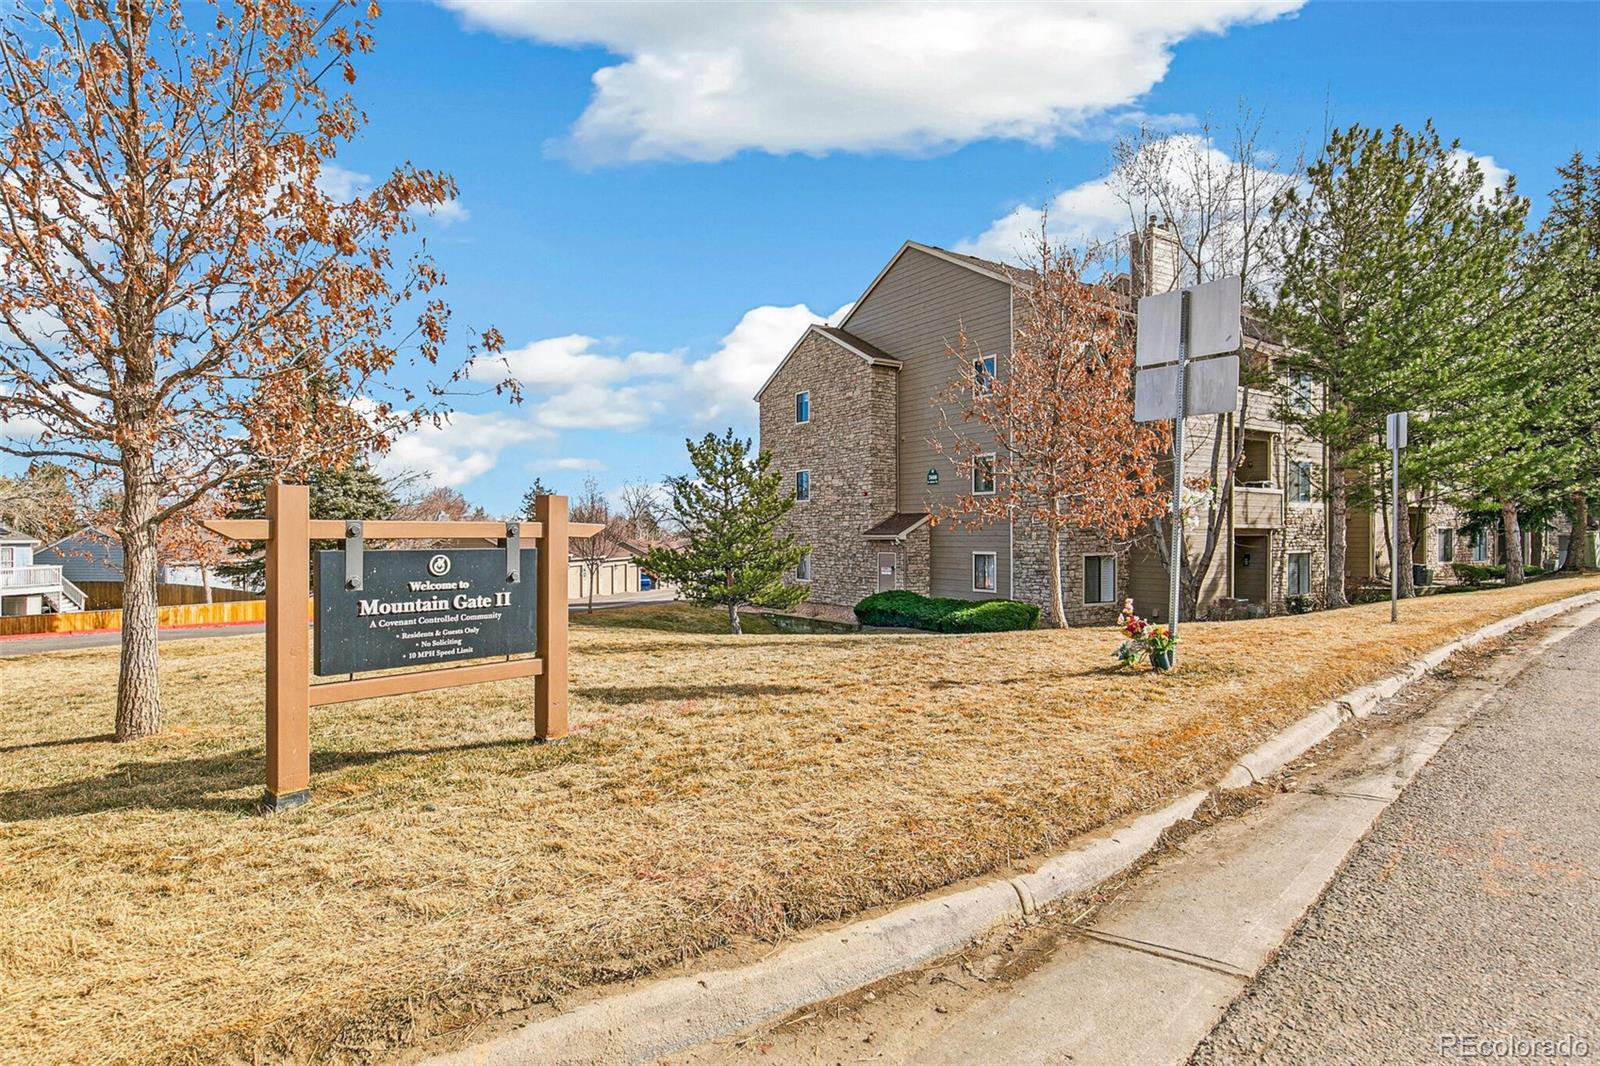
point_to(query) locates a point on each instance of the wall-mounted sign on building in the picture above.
(933, 475)
(421, 608)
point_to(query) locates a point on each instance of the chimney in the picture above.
(1155, 257)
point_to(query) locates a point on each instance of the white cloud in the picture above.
(574, 463)
(464, 446)
(1495, 176)
(719, 388)
(1104, 209)
(702, 82)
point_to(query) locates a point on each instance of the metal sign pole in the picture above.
(1396, 434)
(1394, 537)
(1175, 561)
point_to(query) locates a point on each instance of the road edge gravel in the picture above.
(670, 1015)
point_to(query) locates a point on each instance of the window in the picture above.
(983, 475)
(1299, 481)
(983, 572)
(983, 374)
(1480, 546)
(1302, 393)
(802, 485)
(1299, 573)
(802, 407)
(802, 569)
(1447, 545)
(8, 558)
(1099, 579)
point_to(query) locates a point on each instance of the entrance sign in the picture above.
(1173, 328)
(420, 608)
(288, 531)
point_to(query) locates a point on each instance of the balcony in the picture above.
(1258, 507)
(59, 594)
(30, 578)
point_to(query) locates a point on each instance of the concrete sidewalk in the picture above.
(1147, 977)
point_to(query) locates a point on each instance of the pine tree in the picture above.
(350, 492)
(1390, 257)
(729, 510)
(537, 489)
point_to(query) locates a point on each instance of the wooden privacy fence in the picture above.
(194, 614)
(288, 531)
(107, 595)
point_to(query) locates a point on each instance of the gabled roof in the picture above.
(987, 267)
(848, 341)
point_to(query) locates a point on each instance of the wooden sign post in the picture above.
(288, 532)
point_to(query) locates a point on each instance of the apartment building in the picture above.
(852, 418)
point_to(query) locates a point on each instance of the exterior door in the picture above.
(886, 575)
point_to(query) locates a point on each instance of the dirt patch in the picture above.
(716, 791)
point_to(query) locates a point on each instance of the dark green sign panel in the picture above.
(421, 608)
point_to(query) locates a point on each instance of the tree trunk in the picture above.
(1058, 609)
(1578, 540)
(1338, 520)
(733, 620)
(594, 579)
(1513, 534)
(205, 580)
(139, 683)
(1408, 588)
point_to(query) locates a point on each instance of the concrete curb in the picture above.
(682, 1012)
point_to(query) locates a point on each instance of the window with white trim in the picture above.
(802, 485)
(983, 475)
(802, 569)
(802, 407)
(983, 370)
(1447, 545)
(1299, 481)
(1099, 579)
(1299, 573)
(985, 572)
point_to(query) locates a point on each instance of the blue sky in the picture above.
(651, 238)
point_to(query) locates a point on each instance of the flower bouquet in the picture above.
(1144, 641)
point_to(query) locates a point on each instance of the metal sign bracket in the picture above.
(352, 556)
(513, 553)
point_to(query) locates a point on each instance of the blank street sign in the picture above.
(1213, 390)
(1395, 431)
(1160, 318)
(1214, 312)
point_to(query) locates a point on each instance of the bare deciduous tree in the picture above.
(593, 552)
(1057, 415)
(179, 292)
(1216, 191)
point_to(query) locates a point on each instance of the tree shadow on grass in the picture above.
(622, 695)
(59, 742)
(195, 784)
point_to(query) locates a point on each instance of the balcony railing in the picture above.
(30, 577)
(1258, 507)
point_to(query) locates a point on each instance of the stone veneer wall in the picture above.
(1030, 544)
(848, 446)
(1305, 529)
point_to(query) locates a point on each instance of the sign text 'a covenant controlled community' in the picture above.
(421, 608)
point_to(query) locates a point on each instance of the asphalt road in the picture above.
(16, 646)
(1467, 924)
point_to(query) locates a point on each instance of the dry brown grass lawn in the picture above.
(716, 788)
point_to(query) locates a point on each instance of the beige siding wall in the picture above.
(915, 314)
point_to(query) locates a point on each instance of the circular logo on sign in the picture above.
(439, 565)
